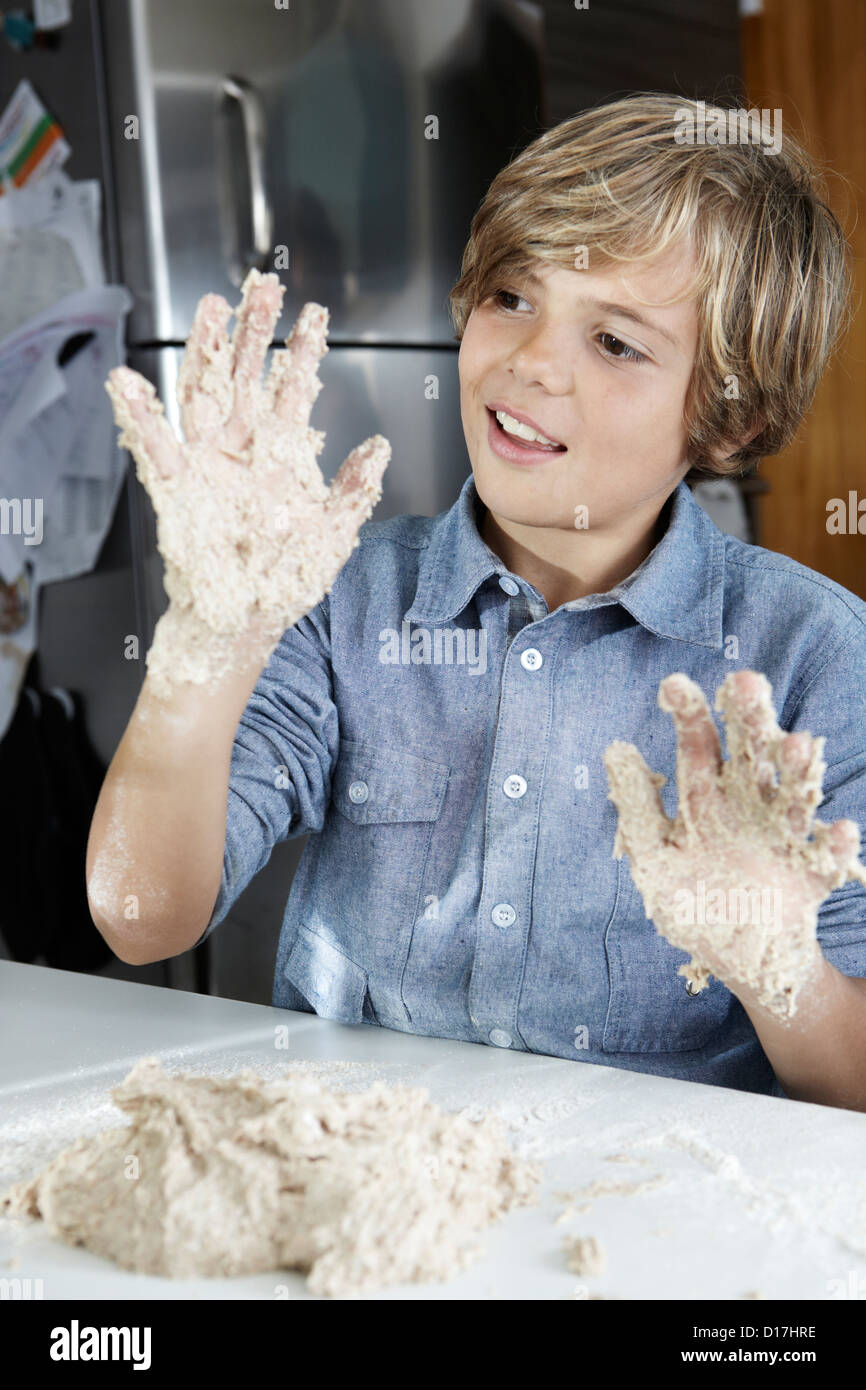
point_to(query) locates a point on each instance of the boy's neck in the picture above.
(600, 564)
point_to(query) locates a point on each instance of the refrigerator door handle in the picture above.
(253, 125)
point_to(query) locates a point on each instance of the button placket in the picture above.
(500, 952)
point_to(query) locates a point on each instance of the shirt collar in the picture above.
(677, 591)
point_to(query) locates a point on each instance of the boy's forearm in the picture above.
(819, 1055)
(157, 838)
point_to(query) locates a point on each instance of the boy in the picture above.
(441, 703)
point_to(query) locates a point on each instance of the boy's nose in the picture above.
(543, 361)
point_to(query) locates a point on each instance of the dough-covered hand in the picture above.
(251, 536)
(738, 877)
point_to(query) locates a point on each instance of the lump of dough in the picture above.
(584, 1255)
(229, 1176)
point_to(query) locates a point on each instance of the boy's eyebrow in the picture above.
(609, 306)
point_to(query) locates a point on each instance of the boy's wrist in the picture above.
(188, 655)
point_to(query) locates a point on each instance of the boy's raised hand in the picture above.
(744, 859)
(251, 536)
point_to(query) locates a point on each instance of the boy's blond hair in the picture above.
(772, 279)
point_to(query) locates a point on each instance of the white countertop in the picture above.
(758, 1194)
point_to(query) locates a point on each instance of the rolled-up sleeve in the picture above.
(283, 757)
(834, 704)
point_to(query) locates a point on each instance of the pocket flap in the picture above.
(335, 986)
(374, 784)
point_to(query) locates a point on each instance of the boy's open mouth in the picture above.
(508, 436)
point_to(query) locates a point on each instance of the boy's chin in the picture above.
(510, 480)
(519, 500)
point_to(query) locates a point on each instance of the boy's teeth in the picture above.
(512, 426)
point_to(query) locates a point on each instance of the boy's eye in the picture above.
(611, 345)
(615, 347)
(501, 297)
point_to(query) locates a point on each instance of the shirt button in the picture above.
(531, 659)
(514, 786)
(508, 585)
(500, 1038)
(503, 915)
(359, 791)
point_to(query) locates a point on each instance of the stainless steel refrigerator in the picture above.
(346, 144)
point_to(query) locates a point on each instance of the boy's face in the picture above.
(561, 350)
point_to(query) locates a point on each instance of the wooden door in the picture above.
(808, 57)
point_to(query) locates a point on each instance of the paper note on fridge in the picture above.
(31, 141)
(49, 246)
(60, 467)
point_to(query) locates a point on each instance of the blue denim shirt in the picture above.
(441, 733)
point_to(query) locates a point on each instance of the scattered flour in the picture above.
(808, 1211)
(602, 1187)
(228, 1176)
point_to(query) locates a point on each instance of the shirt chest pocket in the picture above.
(650, 1008)
(386, 786)
(374, 854)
